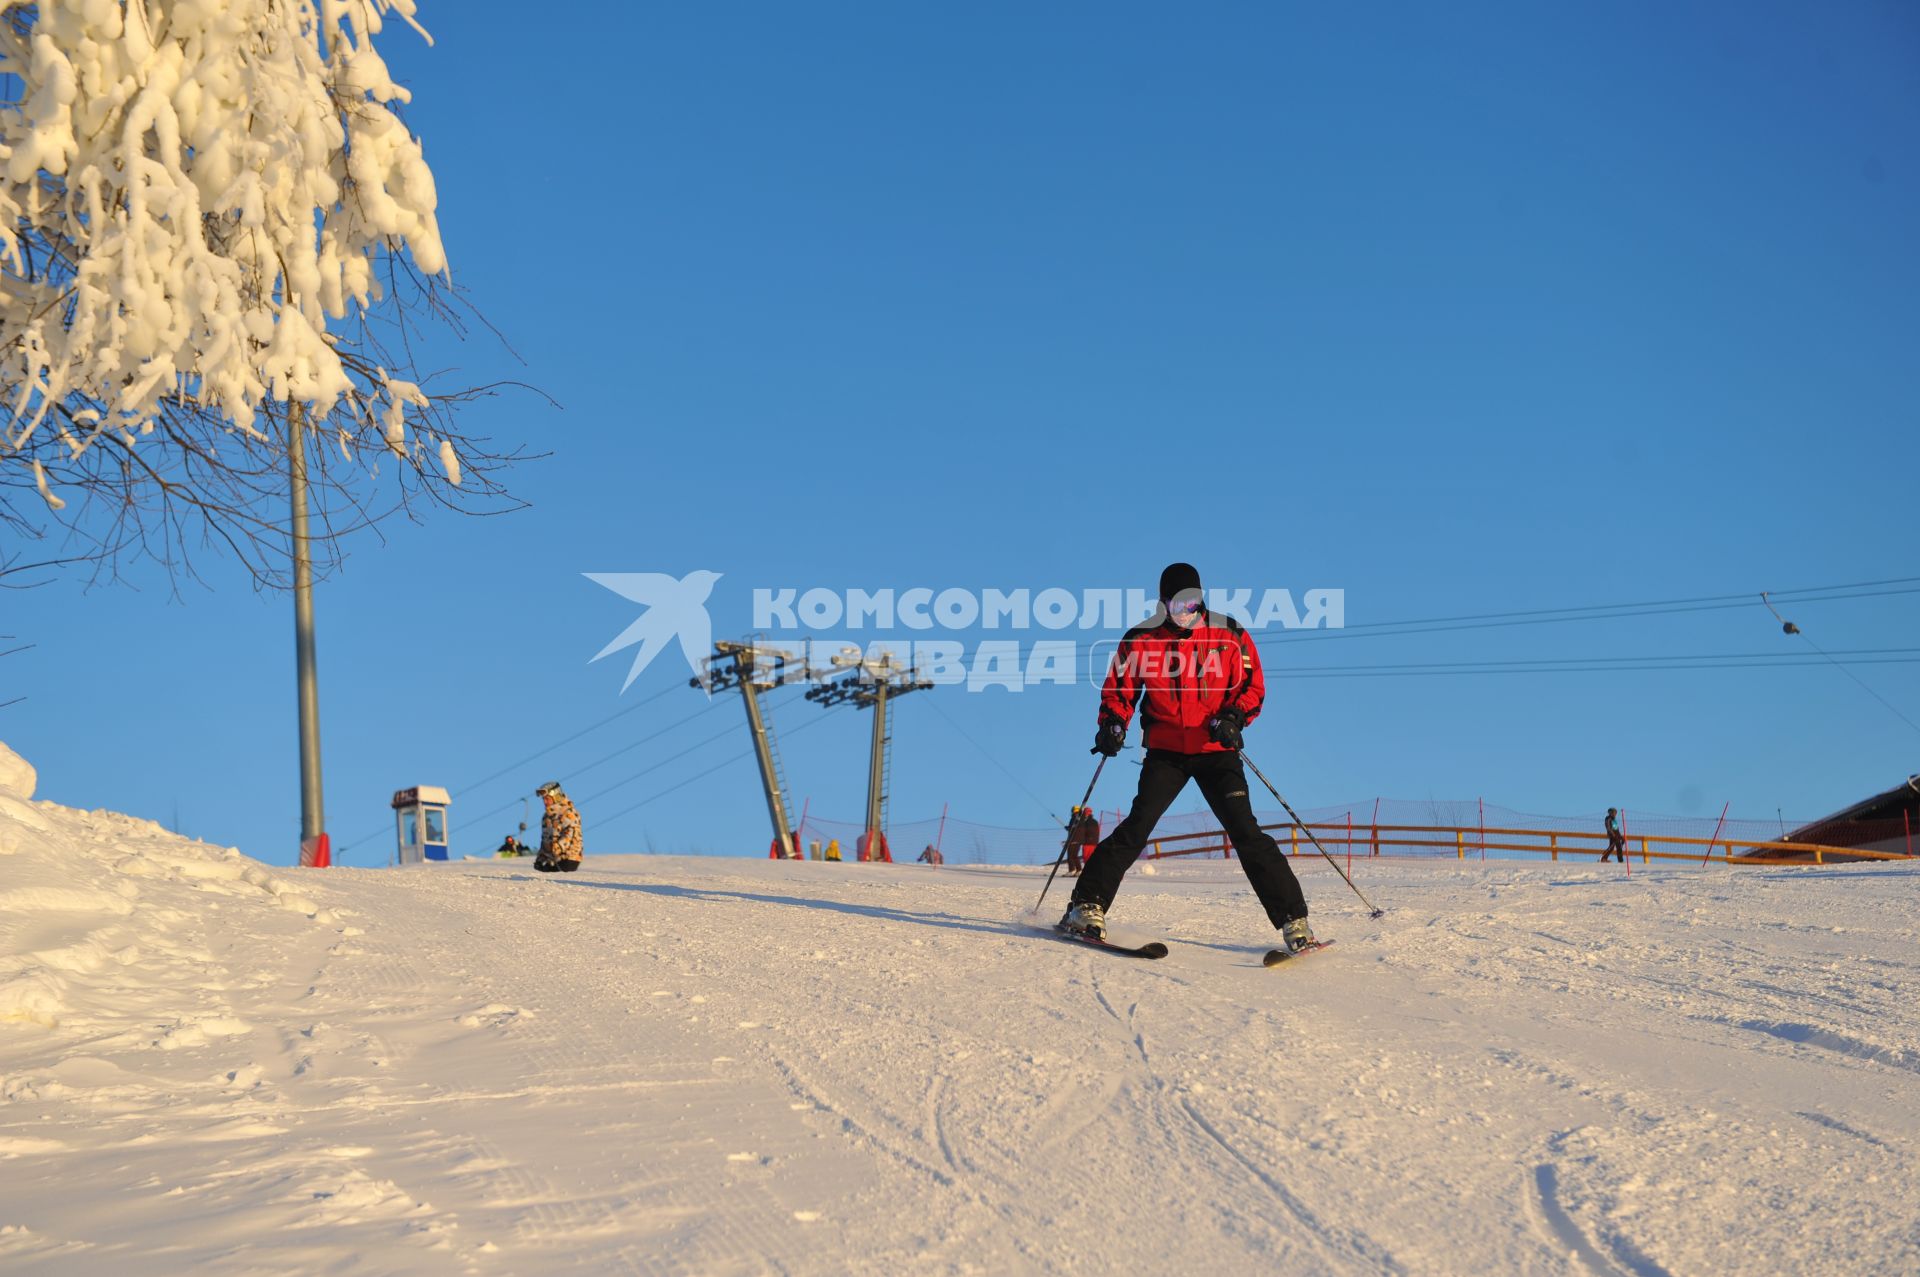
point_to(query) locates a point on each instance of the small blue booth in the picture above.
(420, 816)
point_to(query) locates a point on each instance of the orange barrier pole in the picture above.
(1623, 845)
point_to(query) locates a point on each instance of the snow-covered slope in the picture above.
(714, 1066)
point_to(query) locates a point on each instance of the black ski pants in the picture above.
(1224, 785)
(1615, 843)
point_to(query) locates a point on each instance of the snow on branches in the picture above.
(216, 179)
(200, 202)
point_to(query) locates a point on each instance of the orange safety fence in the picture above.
(1404, 828)
(1368, 840)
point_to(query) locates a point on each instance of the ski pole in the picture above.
(1084, 800)
(1371, 911)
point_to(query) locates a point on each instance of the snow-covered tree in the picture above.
(214, 229)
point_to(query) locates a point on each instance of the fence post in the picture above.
(1553, 845)
(1376, 825)
(1643, 849)
(1819, 856)
(1460, 843)
(1296, 840)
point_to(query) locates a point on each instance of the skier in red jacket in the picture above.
(1197, 683)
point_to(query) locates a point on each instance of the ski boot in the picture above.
(1297, 935)
(1085, 918)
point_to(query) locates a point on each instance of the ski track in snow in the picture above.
(690, 1066)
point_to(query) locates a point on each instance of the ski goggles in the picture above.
(1186, 607)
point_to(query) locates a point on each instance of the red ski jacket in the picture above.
(1186, 678)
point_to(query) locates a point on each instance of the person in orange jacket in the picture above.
(1083, 834)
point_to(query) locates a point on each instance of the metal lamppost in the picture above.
(313, 837)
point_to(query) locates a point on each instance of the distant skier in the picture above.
(510, 847)
(932, 856)
(1083, 834)
(1616, 841)
(560, 841)
(1201, 683)
(833, 849)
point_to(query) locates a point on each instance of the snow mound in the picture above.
(17, 776)
(94, 914)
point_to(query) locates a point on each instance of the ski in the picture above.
(1277, 956)
(1151, 949)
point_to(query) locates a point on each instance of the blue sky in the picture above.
(1460, 310)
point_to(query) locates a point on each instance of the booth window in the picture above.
(436, 824)
(409, 829)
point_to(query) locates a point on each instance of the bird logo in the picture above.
(675, 608)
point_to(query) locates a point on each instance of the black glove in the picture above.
(1225, 727)
(1111, 738)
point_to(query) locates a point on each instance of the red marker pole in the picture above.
(1716, 834)
(1349, 844)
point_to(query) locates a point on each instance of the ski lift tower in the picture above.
(871, 684)
(755, 669)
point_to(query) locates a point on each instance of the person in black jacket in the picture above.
(1616, 841)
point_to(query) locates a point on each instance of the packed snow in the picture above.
(687, 1065)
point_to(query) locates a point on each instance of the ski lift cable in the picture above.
(1039, 802)
(542, 753)
(1789, 628)
(652, 767)
(1549, 616)
(1364, 672)
(468, 788)
(725, 762)
(1500, 620)
(1745, 597)
(708, 708)
(1705, 660)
